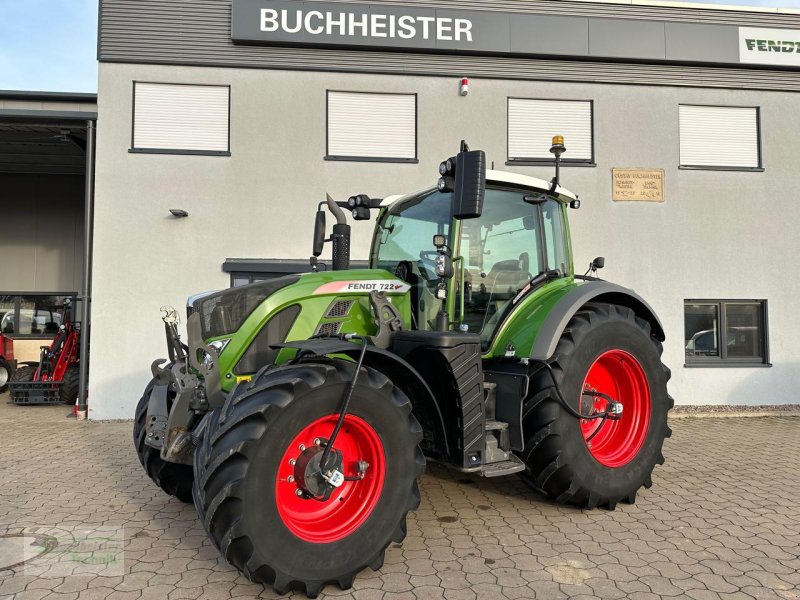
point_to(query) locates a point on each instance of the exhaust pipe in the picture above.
(340, 237)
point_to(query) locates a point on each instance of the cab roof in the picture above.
(503, 177)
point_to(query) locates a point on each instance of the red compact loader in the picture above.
(7, 362)
(54, 379)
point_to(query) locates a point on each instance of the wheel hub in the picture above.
(309, 476)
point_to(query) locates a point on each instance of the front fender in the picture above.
(592, 291)
(402, 374)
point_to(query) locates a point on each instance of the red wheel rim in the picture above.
(351, 503)
(617, 374)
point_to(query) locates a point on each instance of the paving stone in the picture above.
(714, 524)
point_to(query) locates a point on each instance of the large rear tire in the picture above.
(175, 479)
(247, 494)
(604, 348)
(70, 385)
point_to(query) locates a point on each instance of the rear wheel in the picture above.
(70, 384)
(604, 351)
(175, 479)
(5, 374)
(255, 469)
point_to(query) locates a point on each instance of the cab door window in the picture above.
(501, 251)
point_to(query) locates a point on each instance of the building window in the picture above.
(533, 123)
(372, 127)
(720, 138)
(726, 332)
(181, 119)
(32, 315)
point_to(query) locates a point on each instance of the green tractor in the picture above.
(302, 411)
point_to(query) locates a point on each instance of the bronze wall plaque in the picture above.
(637, 185)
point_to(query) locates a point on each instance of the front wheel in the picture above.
(68, 392)
(604, 352)
(257, 485)
(174, 479)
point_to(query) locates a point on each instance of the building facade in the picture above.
(679, 123)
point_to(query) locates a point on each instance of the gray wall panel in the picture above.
(718, 42)
(550, 35)
(42, 240)
(623, 38)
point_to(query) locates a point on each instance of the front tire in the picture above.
(70, 385)
(604, 348)
(246, 490)
(173, 478)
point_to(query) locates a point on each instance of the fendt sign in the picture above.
(769, 46)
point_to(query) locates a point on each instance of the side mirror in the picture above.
(319, 233)
(465, 176)
(598, 263)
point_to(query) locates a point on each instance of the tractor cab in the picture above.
(520, 235)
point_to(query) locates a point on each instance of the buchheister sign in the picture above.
(283, 22)
(769, 46)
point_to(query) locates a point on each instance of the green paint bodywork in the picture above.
(520, 328)
(312, 308)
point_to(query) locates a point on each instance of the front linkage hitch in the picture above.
(185, 389)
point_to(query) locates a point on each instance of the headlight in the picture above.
(219, 346)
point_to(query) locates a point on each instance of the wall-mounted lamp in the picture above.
(178, 213)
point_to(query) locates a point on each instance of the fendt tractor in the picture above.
(302, 410)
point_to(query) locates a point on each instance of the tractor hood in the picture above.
(222, 313)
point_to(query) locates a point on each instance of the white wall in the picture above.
(718, 235)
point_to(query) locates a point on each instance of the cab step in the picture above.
(506, 467)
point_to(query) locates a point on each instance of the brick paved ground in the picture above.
(722, 521)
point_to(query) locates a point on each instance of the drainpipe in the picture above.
(86, 286)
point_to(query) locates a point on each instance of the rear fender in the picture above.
(592, 291)
(402, 375)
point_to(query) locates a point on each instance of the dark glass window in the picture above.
(725, 331)
(32, 315)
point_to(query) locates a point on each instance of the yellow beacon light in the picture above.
(558, 140)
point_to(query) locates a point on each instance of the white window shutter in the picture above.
(719, 136)
(181, 117)
(533, 123)
(366, 125)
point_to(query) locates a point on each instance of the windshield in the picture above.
(404, 246)
(508, 245)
